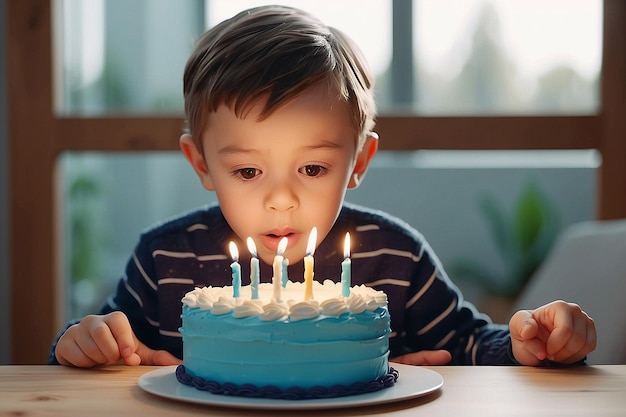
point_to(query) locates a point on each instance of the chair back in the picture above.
(588, 266)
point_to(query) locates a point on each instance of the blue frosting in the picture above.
(323, 351)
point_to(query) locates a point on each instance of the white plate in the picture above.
(414, 381)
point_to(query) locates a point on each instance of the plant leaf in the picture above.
(529, 218)
(499, 225)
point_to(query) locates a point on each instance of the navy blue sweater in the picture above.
(427, 310)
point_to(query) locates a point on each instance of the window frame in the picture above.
(37, 136)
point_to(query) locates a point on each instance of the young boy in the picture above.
(281, 111)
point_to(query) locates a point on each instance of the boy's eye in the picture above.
(247, 173)
(312, 170)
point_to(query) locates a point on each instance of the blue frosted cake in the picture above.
(328, 346)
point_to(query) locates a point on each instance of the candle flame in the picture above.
(282, 246)
(310, 247)
(251, 247)
(346, 246)
(234, 252)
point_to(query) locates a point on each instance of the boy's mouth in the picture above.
(271, 239)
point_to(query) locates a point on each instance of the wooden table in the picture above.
(593, 391)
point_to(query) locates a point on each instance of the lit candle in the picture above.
(285, 274)
(345, 268)
(254, 269)
(308, 265)
(236, 269)
(278, 268)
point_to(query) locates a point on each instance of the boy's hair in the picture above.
(274, 53)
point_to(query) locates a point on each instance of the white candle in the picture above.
(308, 265)
(278, 268)
(236, 269)
(254, 269)
(346, 273)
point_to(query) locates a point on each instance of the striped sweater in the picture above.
(427, 310)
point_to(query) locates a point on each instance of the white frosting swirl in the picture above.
(303, 310)
(274, 311)
(373, 299)
(248, 308)
(356, 304)
(223, 305)
(190, 299)
(334, 307)
(205, 300)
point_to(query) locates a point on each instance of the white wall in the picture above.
(438, 193)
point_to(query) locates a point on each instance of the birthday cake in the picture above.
(329, 346)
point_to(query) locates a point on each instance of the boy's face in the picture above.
(283, 175)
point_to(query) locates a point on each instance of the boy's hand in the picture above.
(424, 357)
(558, 331)
(107, 339)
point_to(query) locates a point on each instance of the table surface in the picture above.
(34, 390)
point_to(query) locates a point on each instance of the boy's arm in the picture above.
(557, 333)
(52, 359)
(136, 297)
(106, 339)
(438, 318)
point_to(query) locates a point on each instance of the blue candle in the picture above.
(236, 269)
(285, 275)
(254, 269)
(346, 272)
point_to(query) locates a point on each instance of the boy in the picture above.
(281, 111)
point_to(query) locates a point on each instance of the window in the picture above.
(507, 57)
(430, 57)
(119, 56)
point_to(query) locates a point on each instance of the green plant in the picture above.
(523, 238)
(83, 192)
(86, 234)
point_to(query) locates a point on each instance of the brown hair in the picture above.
(274, 52)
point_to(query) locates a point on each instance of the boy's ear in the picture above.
(196, 160)
(363, 160)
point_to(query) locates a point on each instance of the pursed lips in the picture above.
(271, 239)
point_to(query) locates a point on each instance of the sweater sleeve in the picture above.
(137, 296)
(52, 359)
(438, 317)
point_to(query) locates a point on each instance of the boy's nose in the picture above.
(281, 197)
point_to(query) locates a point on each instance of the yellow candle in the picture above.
(278, 269)
(308, 265)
